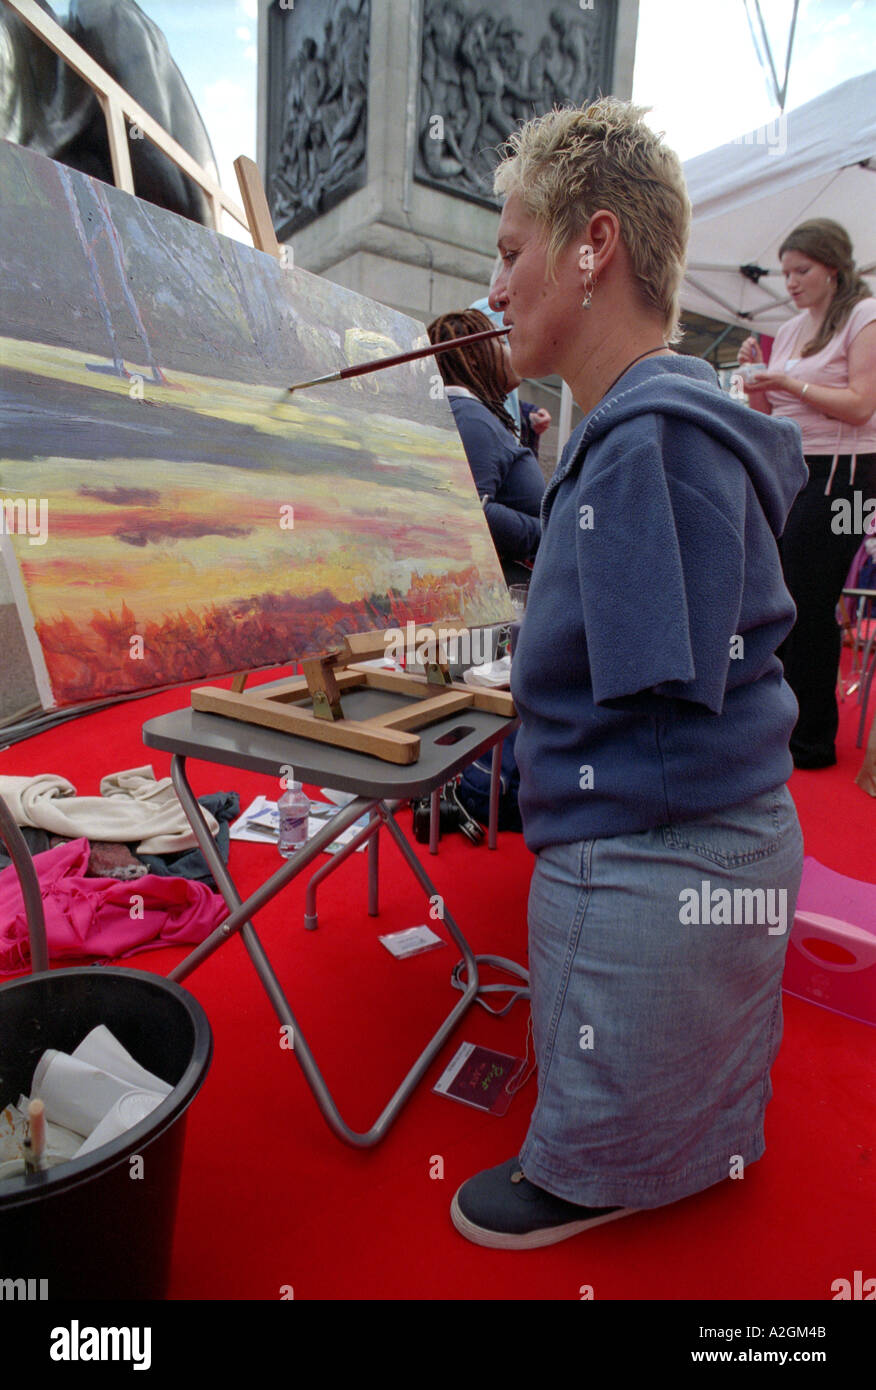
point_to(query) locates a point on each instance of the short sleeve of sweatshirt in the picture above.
(661, 571)
(862, 315)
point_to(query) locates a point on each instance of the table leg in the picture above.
(239, 914)
(311, 920)
(374, 870)
(429, 888)
(238, 920)
(867, 673)
(495, 788)
(434, 820)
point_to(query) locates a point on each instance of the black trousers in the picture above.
(817, 548)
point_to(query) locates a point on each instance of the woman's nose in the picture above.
(498, 296)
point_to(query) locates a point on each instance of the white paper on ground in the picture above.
(323, 812)
(260, 823)
(337, 798)
(411, 941)
(260, 813)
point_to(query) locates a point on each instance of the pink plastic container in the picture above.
(831, 957)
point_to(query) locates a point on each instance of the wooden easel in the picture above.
(310, 705)
(328, 675)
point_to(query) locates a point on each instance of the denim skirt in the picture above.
(656, 963)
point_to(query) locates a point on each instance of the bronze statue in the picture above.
(44, 105)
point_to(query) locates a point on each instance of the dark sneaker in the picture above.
(502, 1209)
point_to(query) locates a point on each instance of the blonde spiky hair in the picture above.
(574, 160)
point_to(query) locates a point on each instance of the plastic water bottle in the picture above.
(293, 808)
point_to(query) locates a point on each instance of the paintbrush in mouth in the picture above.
(398, 360)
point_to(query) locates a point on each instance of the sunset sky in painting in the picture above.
(158, 537)
(219, 543)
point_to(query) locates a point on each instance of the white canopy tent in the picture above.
(817, 161)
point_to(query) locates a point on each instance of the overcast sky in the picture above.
(695, 64)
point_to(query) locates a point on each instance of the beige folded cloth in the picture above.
(133, 806)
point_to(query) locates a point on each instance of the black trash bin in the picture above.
(101, 1226)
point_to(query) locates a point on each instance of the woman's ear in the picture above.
(602, 237)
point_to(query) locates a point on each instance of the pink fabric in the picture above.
(92, 916)
(830, 367)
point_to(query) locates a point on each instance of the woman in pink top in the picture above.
(822, 373)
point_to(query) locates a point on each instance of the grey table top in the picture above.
(214, 738)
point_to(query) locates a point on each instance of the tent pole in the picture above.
(719, 340)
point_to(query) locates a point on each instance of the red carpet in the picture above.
(271, 1199)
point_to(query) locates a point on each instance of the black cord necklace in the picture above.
(646, 353)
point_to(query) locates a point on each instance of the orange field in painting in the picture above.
(105, 657)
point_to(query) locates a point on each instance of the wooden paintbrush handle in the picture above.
(402, 357)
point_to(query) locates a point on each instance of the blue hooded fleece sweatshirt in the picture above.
(645, 671)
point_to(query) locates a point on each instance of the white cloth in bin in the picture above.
(91, 1097)
(77, 1094)
(128, 1111)
(102, 1049)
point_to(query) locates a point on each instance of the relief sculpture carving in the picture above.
(481, 74)
(321, 148)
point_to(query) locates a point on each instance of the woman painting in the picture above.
(822, 373)
(653, 748)
(477, 380)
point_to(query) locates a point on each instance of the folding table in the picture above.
(446, 747)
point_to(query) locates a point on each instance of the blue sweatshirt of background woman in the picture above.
(645, 672)
(506, 474)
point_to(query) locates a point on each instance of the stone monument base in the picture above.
(418, 238)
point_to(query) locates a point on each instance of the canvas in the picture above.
(168, 511)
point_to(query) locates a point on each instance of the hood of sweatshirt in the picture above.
(686, 387)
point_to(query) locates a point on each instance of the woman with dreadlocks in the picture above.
(509, 481)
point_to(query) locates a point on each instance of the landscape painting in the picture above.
(168, 510)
